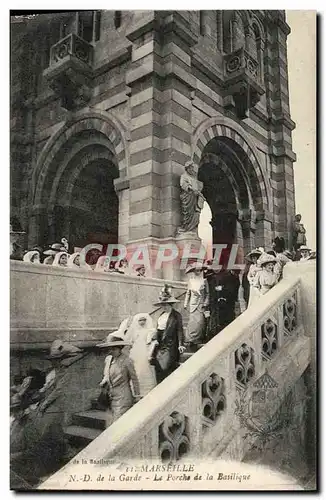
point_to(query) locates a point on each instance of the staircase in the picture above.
(88, 425)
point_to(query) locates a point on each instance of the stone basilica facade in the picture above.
(108, 106)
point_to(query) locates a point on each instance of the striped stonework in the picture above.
(281, 154)
(158, 94)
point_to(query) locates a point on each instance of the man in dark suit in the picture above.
(227, 287)
(168, 341)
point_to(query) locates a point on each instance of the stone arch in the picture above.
(217, 127)
(92, 146)
(102, 122)
(258, 27)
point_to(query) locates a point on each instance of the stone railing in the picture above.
(195, 411)
(48, 301)
(72, 45)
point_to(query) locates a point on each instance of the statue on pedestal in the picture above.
(192, 200)
(299, 233)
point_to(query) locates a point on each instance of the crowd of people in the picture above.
(141, 353)
(57, 255)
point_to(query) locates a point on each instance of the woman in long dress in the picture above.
(119, 377)
(266, 278)
(197, 296)
(253, 270)
(140, 335)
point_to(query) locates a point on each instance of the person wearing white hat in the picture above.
(33, 256)
(140, 335)
(266, 278)
(119, 380)
(77, 262)
(61, 259)
(304, 252)
(197, 297)
(52, 252)
(254, 268)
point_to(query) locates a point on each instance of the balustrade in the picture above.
(72, 45)
(195, 411)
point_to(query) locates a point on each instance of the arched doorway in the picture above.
(235, 184)
(77, 196)
(72, 191)
(230, 193)
(89, 212)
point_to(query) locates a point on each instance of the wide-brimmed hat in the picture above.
(113, 340)
(270, 251)
(255, 252)
(266, 259)
(196, 266)
(166, 296)
(304, 247)
(54, 249)
(61, 350)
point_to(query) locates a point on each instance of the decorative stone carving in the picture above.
(71, 45)
(70, 71)
(242, 81)
(213, 398)
(173, 439)
(290, 315)
(269, 335)
(244, 364)
(192, 200)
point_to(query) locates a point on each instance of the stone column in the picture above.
(264, 229)
(281, 154)
(161, 86)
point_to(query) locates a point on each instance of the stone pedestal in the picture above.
(190, 248)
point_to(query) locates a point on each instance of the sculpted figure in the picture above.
(299, 233)
(192, 200)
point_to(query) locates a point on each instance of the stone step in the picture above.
(94, 419)
(81, 435)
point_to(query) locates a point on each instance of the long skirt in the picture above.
(254, 295)
(145, 372)
(196, 328)
(121, 399)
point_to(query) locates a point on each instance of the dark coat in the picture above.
(227, 296)
(167, 354)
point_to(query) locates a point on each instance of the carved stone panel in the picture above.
(290, 315)
(270, 341)
(244, 365)
(213, 399)
(174, 440)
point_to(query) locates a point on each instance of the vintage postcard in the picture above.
(163, 250)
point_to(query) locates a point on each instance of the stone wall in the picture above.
(50, 302)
